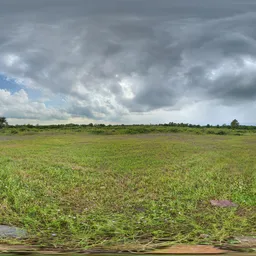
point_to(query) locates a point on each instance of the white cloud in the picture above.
(18, 106)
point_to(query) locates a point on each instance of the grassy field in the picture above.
(81, 190)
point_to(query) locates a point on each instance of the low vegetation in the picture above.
(70, 187)
(101, 129)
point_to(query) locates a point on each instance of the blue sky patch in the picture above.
(12, 86)
(9, 85)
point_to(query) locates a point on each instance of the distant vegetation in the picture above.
(3, 122)
(233, 129)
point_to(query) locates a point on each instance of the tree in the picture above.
(3, 122)
(234, 124)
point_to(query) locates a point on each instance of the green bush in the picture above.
(14, 132)
(221, 133)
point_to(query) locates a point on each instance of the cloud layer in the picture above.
(118, 60)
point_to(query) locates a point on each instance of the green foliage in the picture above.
(102, 129)
(234, 124)
(3, 122)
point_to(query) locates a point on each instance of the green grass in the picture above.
(81, 190)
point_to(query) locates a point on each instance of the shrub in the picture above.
(221, 132)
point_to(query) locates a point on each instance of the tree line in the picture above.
(234, 124)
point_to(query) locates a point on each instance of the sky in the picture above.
(128, 61)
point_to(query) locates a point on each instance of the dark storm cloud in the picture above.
(114, 57)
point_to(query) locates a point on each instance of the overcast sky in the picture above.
(128, 61)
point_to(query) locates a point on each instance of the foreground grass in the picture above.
(80, 190)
